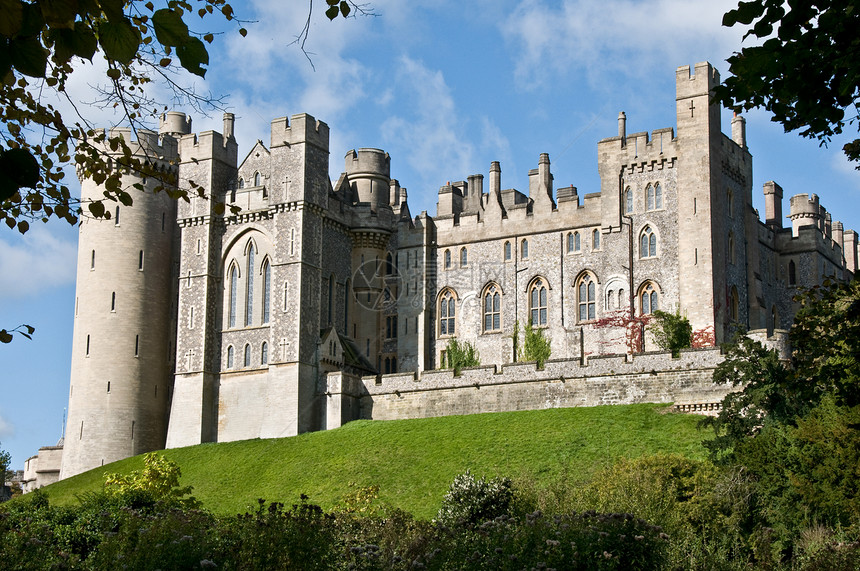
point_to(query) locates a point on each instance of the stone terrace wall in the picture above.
(648, 377)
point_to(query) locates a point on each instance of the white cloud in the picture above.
(6, 428)
(614, 37)
(431, 134)
(34, 263)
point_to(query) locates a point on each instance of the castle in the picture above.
(323, 302)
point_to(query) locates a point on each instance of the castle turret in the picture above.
(369, 172)
(804, 211)
(123, 336)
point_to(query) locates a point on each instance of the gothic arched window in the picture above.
(649, 197)
(507, 250)
(264, 354)
(792, 273)
(247, 356)
(524, 248)
(249, 292)
(538, 303)
(595, 239)
(570, 242)
(647, 243)
(230, 357)
(234, 291)
(267, 289)
(492, 308)
(258, 180)
(447, 313)
(577, 242)
(649, 302)
(658, 196)
(585, 295)
(464, 257)
(447, 259)
(628, 201)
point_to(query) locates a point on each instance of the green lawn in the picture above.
(414, 461)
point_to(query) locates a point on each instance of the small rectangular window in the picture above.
(163, 217)
(93, 260)
(132, 430)
(108, 387)
(191, 319)
(88, 346)
(140, 261)
(116, 217)
(137, 345)
(113, 301)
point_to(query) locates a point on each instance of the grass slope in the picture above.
(414, 461)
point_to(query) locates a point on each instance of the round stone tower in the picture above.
(122, 360)
(369, 173)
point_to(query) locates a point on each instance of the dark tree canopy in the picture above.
(806, 71)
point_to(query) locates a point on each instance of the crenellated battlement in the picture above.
(208, 145)
(298, 129)
(699, 80)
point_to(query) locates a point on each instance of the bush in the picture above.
(536, 347)
(672, 332)
(471, 501)
(459, 355)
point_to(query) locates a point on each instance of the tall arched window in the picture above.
(247, 355)
(792, 273)
(447, 313)
(524, 248)
(730, 203)
(649, 197)
(570, 242)
(538, 303)
(264, 354)
(241, 184)
(507, 250)
(389, 265)
(649, 302)
(492, 309)
(258, 180)
(267, 289)
(230, 357)
(648, 243)
(346, 289)
(774, 316)
(447, 259)
(464, 257)
(595, 239)
(577, 242)
(658, 196)
(249, 292)
(585, 295)
(234, 289)
(628, 201)
(731, 247)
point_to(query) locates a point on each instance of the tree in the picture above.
(672, 331)
(42, 41)
(805, 72)
(5, 460)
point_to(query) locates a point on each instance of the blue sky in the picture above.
(445, 87)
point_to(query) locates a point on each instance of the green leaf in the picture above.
(59, 13)
(192, 54)
(97, 209)
(119, 40)
(19, 169)
(11, 17)
(344, 8)
(28, 56)
(332, 12)
(79, 42)
(170, 30)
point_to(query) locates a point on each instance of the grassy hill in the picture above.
(414, 461)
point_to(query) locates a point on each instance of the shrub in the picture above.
(672, 332)
(459, 355)
(471, 501)
(536, 347)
